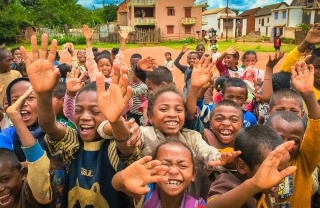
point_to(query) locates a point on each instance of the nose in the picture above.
(85, 116)
(173, 170)
(172, 113)
(226, 122)
(2, 188)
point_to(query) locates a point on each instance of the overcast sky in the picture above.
(242, 5)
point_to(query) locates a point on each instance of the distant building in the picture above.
(248, 20)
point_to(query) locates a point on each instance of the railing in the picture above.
(144, 21)
(143, 2)
(189, 21)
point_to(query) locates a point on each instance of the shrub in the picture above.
(81, 40)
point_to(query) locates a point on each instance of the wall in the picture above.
(266, 25)
(295, 16)
(163, 20)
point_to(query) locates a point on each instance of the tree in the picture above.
(235, 11)
(110, 13)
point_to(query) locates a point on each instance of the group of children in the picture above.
(74, 144)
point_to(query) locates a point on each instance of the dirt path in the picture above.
(158, 53)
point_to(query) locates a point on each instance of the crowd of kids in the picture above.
(104, 133)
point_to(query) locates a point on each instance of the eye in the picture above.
(5, 180)
(234, 120)
(183, 166)
(218, 119)
(78, 110)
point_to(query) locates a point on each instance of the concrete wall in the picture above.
(295, 16)
(263, 30)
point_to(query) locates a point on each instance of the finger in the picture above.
(298, 68)
(25, 56)
(128, 95)
(311, 70)
(144, 160)
(157, 178)
(294, 73)
(20, 102)
(44, 46)
(53, 51)
(34, 47)
(100, 84)
(288, 171)
(156, 169)
(142, 190)
(304, 67)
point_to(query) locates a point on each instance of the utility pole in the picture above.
(227, 20)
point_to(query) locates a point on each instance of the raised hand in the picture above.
(185, 48)
(15, 108)
(225, 158)
(302, 78)
(134, 129)
(231, 50)
(87, 32)
(147, 64)
(74, 82)
(268, 174)
(202, 72)
(41, 72)
(142, 172)
(277, 57)
(113, 101)
(124, 34)
(313, 36)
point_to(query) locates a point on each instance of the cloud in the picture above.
(97, 3)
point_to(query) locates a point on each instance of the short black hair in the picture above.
(285, 93)
(194, 53)
(11, 84)
(106, 52)
(64, 69)
(14, 49)
(226, 103)
(136, 55)
(60, 90)
(94, 49)
(249, 53)
(281, 80)
(288, 116)
(160, 75)
(254, 141)
(200, 45)
(115, 51)
(219, 83)
(315, 54)
(92, 86)
(154, 95)
(234, 82)
(102, 56)
(9, 157)
(175, 141)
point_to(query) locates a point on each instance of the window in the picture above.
(276, 15)
(170, 12)
(268, 20)
(170, 29)
(187, 29)
(259, 21)
(284, 14)
(187, 12)
(262, 22)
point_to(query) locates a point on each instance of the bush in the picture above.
(81, 40)
(67, 39)
(188, 40)
(287, 40)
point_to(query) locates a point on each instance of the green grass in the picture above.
(223, 45)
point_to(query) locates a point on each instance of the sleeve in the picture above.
(222, 69)
(193, 122)
(68, 107)
(74, 63)
(208, 95)
(309, 155)
(91, 64)
(140, 89)
(38, 173)
(315, 181)
(177, 63)
(6, 138)
(66, 147)
(291, 60)
(204, 110)
(140, 73)
(221, 185)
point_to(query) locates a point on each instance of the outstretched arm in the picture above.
(38, 162)
(177, 60)
(123, 38)
(90, 62)
(266, 177)
(134, 179)
(44, 77)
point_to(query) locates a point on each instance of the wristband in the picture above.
(101, 132)
(124, 140)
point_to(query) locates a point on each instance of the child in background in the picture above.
(262, 164)
(306, 152)
(213, 43)
(186, 70)
(21, 187)
(168, 63)
(249, 71)
(64, 69)
(200, 49)
(214, 53)
(161, 182)
(5, 121)
(114, 52)
(85, 176)
(230, 58)
(17, 58)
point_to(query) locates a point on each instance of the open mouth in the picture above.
(226, 134)
(4, 200)
(25, 115)
(173, 183)
(86, 129)
(171, 124)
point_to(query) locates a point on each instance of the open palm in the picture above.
(74, 82)
(113, 101)
(302, 78)
(41, 72)
(87, 32)
(202, 72)
(147, 63)
(313, 36)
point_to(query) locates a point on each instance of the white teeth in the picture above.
(173, 183)
(24, 112)
(4, 196)
(171, 123)
(86, 126)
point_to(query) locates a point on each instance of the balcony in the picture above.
(143, 2)
(204, 23)
(144, 21)
(189, 21)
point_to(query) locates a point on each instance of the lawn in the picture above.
(223, 45)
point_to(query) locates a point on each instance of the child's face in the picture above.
(290, 132)
(57, 106)
(214, 50)
(236, 94)
(200, 50)
(191, 59)
(230, 61)
(5, 104)
(6, 62)
(180, 172)
(250, 60)
(316, 64)
(168, 113)
(105, 67)
(88, 116)
(29, 109)
(17, 54)
(82, 55)
(134, 61)
(287, 104)
(168, 57)
(226, 122)
(11, 180)
(151, 86)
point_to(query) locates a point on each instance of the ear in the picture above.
(194, 175)
(150, 119)
(268, 111)
(302, 114)
(62, 99)
(24, 173)
(163, 84)
(241, 166)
